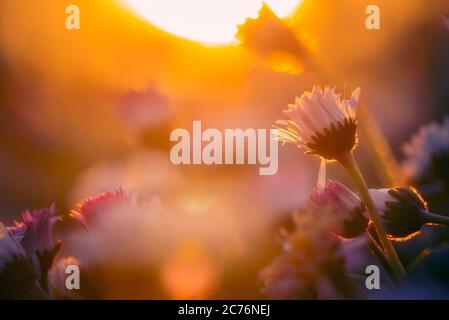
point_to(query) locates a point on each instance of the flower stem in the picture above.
(377, 251)
(437, 219)
(349, 163)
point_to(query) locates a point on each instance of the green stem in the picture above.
(349, 163)
(377, 251)
(437, 219)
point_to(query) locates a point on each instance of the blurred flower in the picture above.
(116, 222)
(320, 123)
(17, 231)
(342, 207)
(286, 49)
(402, 210)
(311, 266)
(57, 278)
(285, 279)
(34, 234)
(17, 276)
(125, 221)
(36, 229)
(143, 109)
(427, 154)
(143, 236)
(88, 211)
(9, 247)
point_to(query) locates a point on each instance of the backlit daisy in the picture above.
(321, 123)
(343, 207)
(403, 211)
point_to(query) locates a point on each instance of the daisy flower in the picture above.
(404, 211)
(17, 276)
(343, 207)
(34, 233)
(321, 123)
(89, 211)
(9, 247)
(35, 230)
(428, 153)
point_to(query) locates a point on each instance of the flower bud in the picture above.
(402, 210)
(343, 207)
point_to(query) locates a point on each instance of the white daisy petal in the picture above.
(316, 110)
(430, 141)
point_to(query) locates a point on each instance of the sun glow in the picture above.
(206, 21)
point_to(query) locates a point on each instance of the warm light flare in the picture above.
(206, 21)
(189, 273)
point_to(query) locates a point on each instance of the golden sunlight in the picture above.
(206, 21)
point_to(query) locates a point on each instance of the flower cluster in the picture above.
(322, 124)
(311, 265)
(111, 238)
(29, 264)
(323, 257)
(28, 251)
